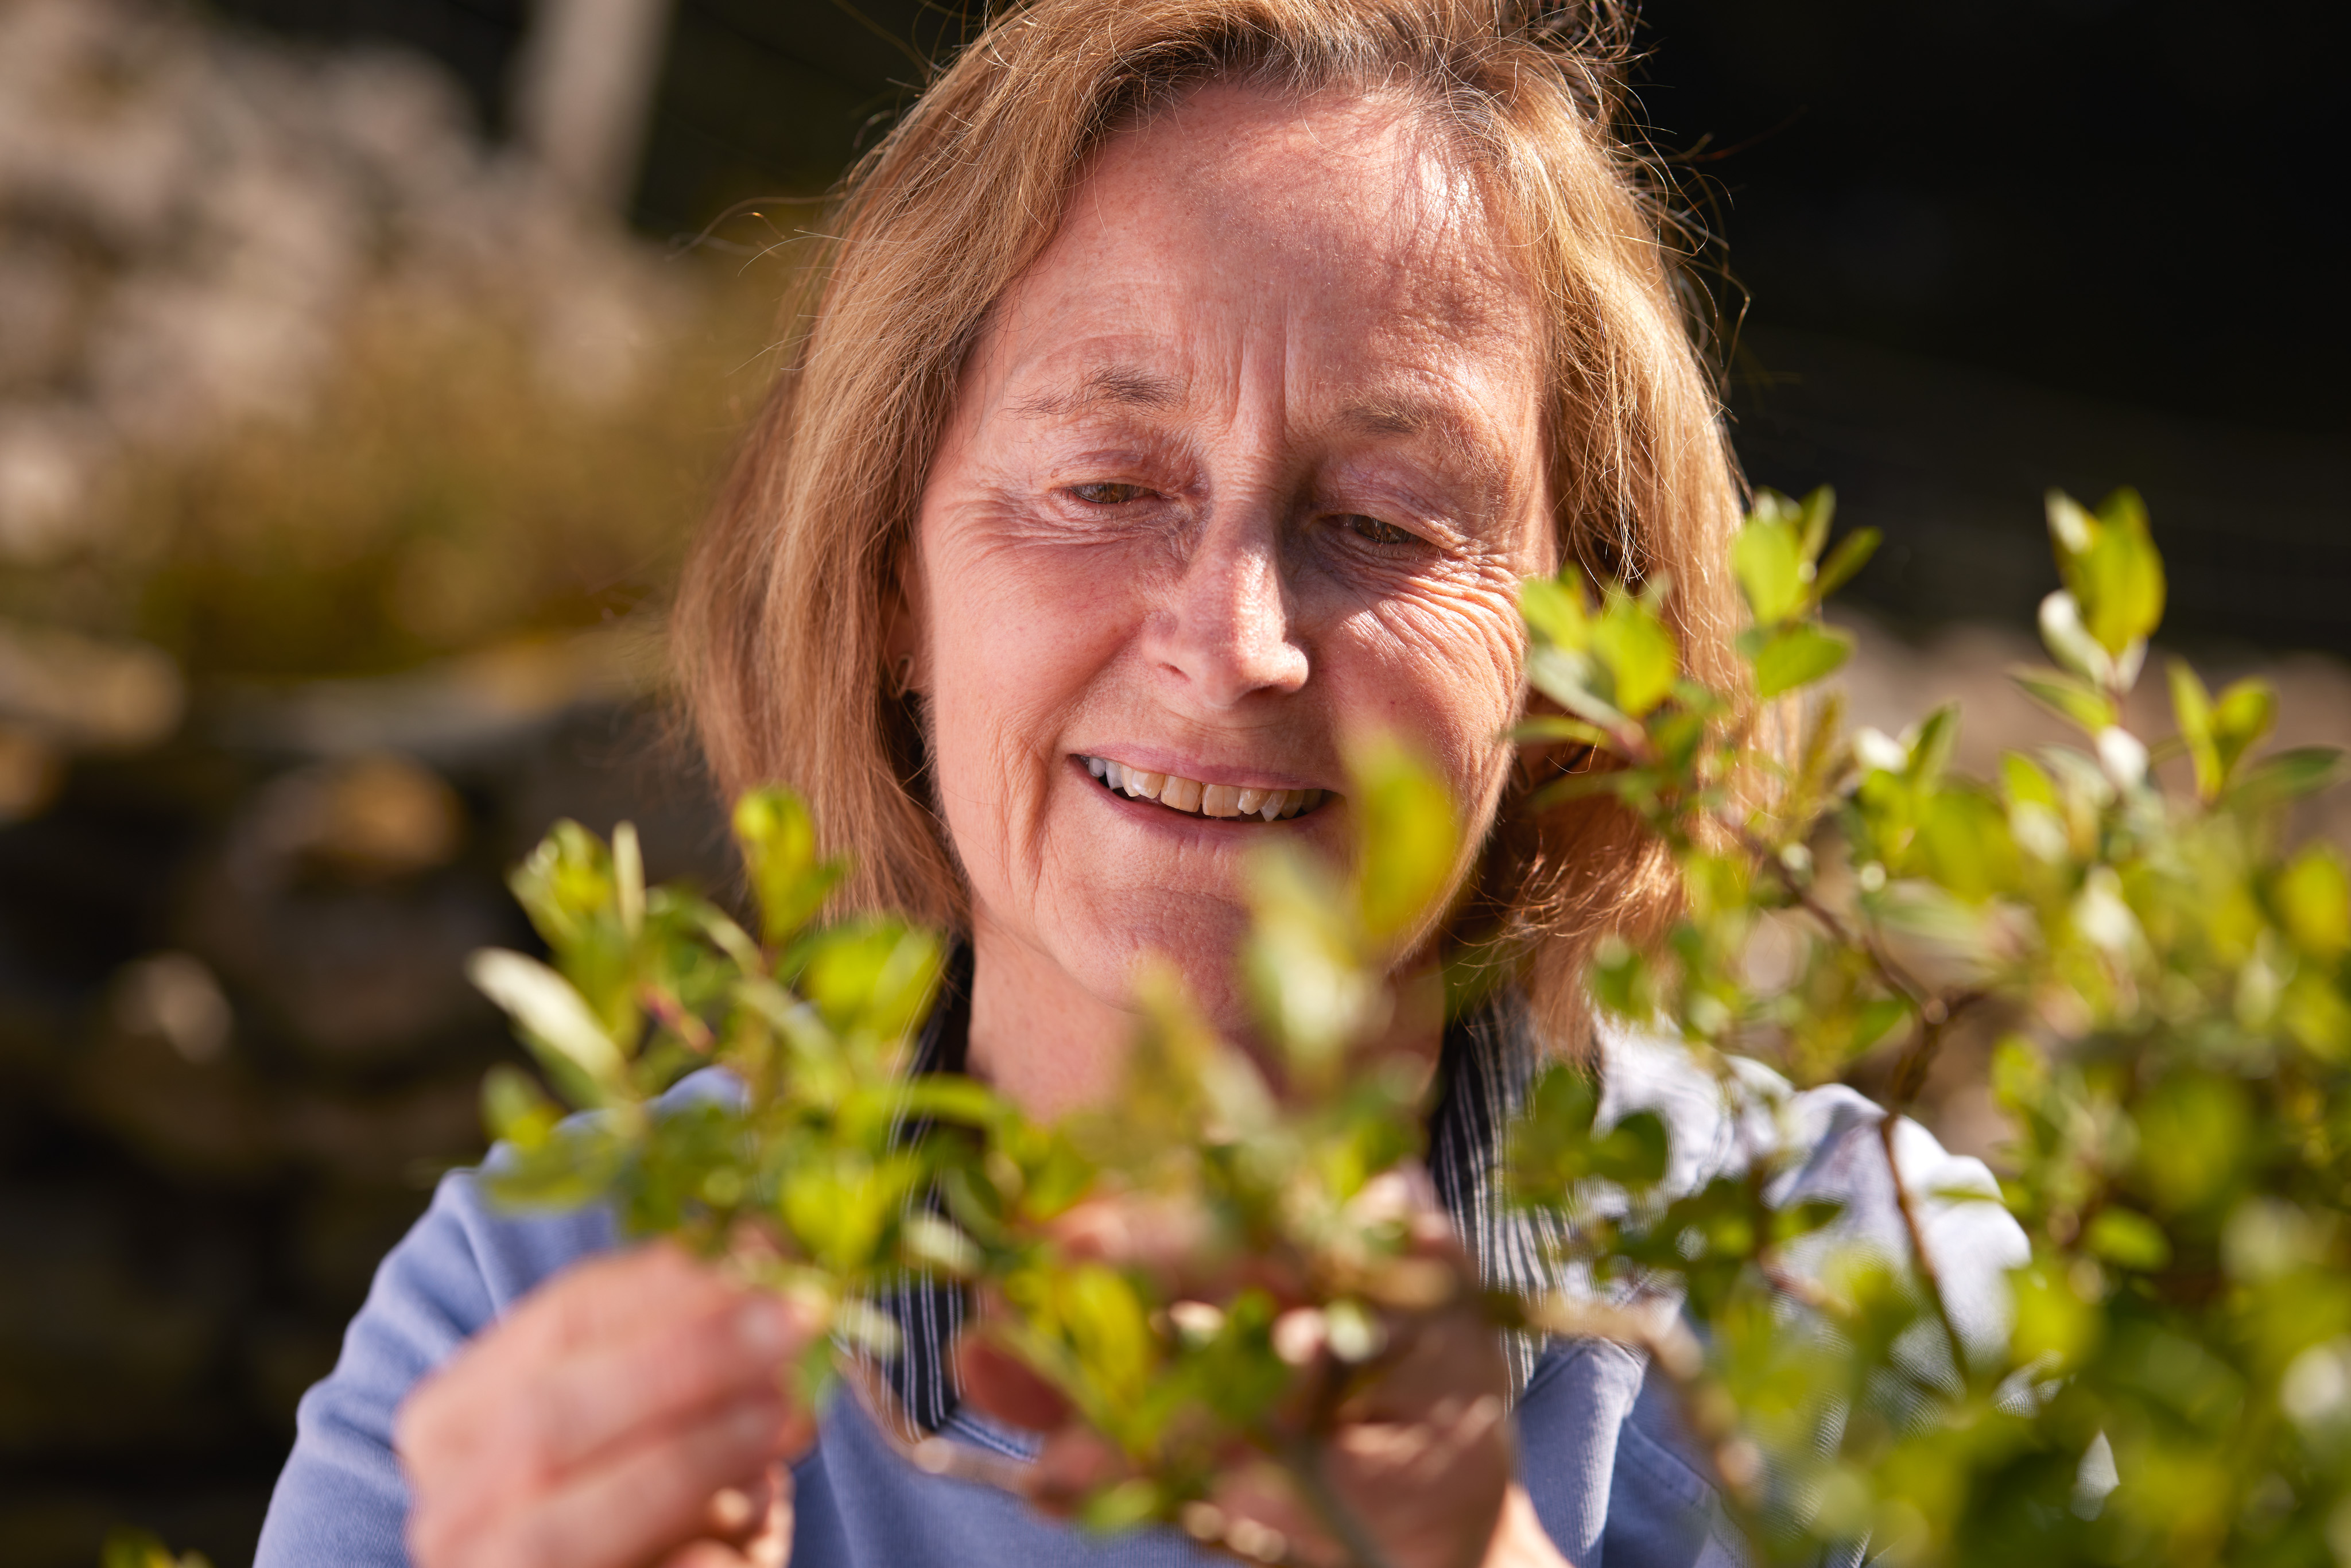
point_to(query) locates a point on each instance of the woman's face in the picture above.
(1244, 468)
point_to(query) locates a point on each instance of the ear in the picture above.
(904, 653)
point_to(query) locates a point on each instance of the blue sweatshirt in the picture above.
(1613, 1479)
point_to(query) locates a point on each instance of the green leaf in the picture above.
(2287, 776)
(1633, 641)
(2193, 1128)
(2240, 717)
(2110, 565)
(2128, 1240)
(727, 937)
(1619, 781)
(1798, 655)
(564, 884)
(2068, 696)
(1573, 680)
(1555, 608)
(1304, 961)
(514, 1110)
(1930, 749)
(952, 1098)
(2023, 783)
(1852, 552)
(2070, 643)
(1108, 1323)
(1123, 1506)
(777, 838)
(126, 1547)
(1552, 728)
(1408, 840)
(1621, 979)
(2191, 708)
(1634, 1153)
(628, 880)
(2313, 901)
(872, 976)
(1814, 513)
(2055, 1329)
(1554, 1147)
(554, 1019)
(1768, 558)
(1964, 838)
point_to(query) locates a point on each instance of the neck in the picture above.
(1051, 1046)
(1045, 1043)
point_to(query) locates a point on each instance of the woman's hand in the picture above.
(631, 1411)
(1412, 1450)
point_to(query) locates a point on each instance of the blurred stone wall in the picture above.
(341, 461)
(188, 219)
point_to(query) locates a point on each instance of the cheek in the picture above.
(1443, 663)
(1016, 629)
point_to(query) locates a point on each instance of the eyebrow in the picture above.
(1112, 386)
(1462, 436)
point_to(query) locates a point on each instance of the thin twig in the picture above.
(676, 1017)
(1934, 1015)
(1927, 1276)
(1913, 990)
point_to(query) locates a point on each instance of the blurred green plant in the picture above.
(2169, 987)
(2168, 982)
(128, 1548)
(802, 1172)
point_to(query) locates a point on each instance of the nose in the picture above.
(1226, 628)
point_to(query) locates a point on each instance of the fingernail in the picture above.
(730, 1510)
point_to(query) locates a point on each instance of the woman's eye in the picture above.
(1110, 495)
(1374, 531)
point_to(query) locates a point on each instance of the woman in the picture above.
(1188, 387)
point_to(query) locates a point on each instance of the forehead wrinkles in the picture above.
(1376, 195)
(1278, 171)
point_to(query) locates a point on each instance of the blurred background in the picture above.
(363, 364)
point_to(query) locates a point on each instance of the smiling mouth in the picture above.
(1194, 799)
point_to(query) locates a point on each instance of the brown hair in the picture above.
(785, 604)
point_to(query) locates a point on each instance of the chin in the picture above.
(1200, 942)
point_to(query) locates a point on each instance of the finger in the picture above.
(706, 1554)
(1428, 1358)
(639, 1504)
(592, 1302)
(1414, 1453)
(772, 1546)
(656, 1384)
(621, 1293)
(744, 1515)
(655, 1379)
(1000, 1386)
(1256, 1514)
(1075, 1461)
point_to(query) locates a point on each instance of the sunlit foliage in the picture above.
(2167, 978)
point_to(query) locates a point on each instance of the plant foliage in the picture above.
(2165, 980)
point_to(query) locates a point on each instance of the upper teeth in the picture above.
(1202, 799)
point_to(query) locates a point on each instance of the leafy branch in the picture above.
(2168, 983)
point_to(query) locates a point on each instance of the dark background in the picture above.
(1963, 250)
